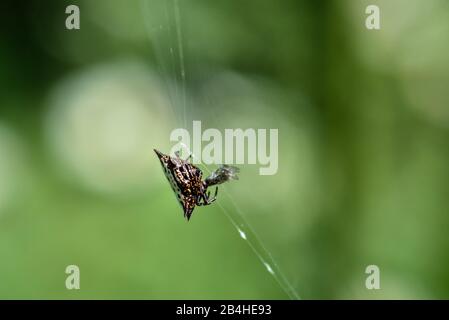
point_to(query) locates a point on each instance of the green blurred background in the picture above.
(363, 119)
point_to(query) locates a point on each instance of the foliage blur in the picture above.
(363, 119)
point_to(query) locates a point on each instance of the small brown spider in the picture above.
(186, 181)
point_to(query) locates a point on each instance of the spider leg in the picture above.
(199, 203)
(205, 199)
(210, 200)
(202, 200)
(215, 195)
(177, 154)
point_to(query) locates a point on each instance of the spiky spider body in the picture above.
(186, 181)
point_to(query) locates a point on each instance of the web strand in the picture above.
(181, 58)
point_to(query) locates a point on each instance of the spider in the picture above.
(186, 181)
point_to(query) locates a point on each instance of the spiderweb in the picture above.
(163, 23)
